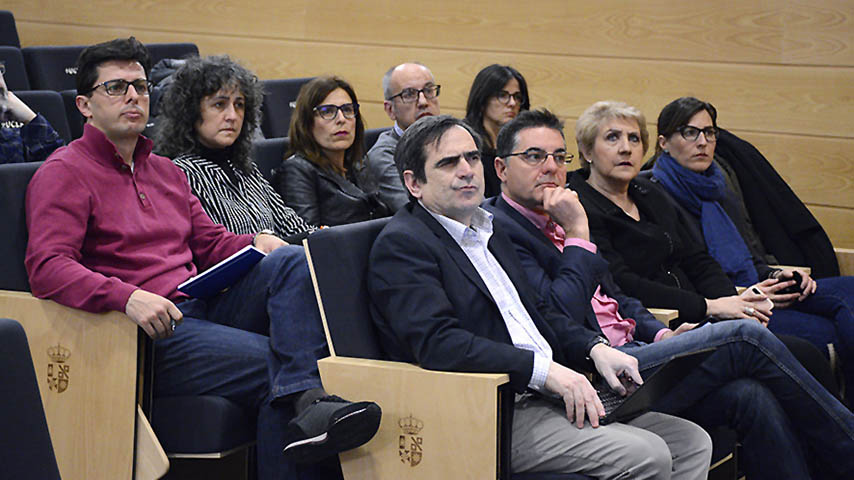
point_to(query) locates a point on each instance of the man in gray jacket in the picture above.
(410, 92)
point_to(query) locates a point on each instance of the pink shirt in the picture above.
(98, 231)
(617, 329)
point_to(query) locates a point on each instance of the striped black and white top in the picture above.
(243, 203)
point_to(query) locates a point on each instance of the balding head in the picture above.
(408, 76)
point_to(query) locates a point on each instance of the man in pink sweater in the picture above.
(114, 227)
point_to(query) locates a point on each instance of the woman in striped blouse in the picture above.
(208, 116)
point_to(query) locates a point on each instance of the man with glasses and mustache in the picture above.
(410, 93)
(114, 227)
(25, 136)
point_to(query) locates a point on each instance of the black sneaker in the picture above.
(331, 425)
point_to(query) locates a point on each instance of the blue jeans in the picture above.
(752, 384)
(824, 317)
(254, 343)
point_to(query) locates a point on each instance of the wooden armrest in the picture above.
(845, 257)
(86, 365)
(664, 315)
(451, 417)
(806, 269)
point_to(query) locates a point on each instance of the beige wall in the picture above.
(781, 73)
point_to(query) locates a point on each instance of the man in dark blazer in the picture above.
(448, 293)
(548, 227)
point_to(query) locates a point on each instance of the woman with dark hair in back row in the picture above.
(497, 95)
(326, 147)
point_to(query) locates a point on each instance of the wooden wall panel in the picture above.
(779, 71)
(818, 32)
(763, 98)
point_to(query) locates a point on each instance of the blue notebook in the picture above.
(222, 275)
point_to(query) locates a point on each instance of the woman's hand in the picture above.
(685, 327)
(807, 287)
(771, 287)
(747, 305)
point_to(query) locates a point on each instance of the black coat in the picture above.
(431, 306)
(788, 229)
(655, 259)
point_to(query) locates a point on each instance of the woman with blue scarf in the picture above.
(817, 310)
(646, 237)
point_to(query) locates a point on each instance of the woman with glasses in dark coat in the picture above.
(319, 179)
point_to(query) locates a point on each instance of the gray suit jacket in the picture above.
(382, 172)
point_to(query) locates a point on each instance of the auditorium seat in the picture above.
(371, 136)
(268, 154)
(276, 109)
(50, 105)
(72, 114)
(16, 72)
(8, 30)
(26, 450)
(159, 51)
(52, 67)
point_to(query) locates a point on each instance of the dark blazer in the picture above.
(431, 307)
(653, 260)
(569, 279)
(322, 197)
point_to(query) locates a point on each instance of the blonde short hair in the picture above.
(587, 126)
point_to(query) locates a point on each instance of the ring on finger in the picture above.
(749, 310)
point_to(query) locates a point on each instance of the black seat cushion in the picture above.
(201, 424)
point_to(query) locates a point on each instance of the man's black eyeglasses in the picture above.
(119, 87)
(537, 156)
(409, 95)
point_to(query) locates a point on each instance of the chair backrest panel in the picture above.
(51, 106)
(276, 110)
(159, 51)
(16, 71)
(26, 450)
(269, 154)
(339, 260)
(8, 30)
(52, 67)
(14, 178)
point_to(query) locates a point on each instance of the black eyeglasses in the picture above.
(693, 133)
(409, 95)
(537, 156)
(329, 111)
(119, 87)
(504, 97)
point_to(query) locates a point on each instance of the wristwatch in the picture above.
(593, 342)
(265, 231)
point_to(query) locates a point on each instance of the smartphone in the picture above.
(796, 288)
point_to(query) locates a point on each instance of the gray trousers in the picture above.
(652, 446)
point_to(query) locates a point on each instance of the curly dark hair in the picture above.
(180, 106)
(300, 133)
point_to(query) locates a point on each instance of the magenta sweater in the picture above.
(98, 231)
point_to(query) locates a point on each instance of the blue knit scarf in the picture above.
(700, 194)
